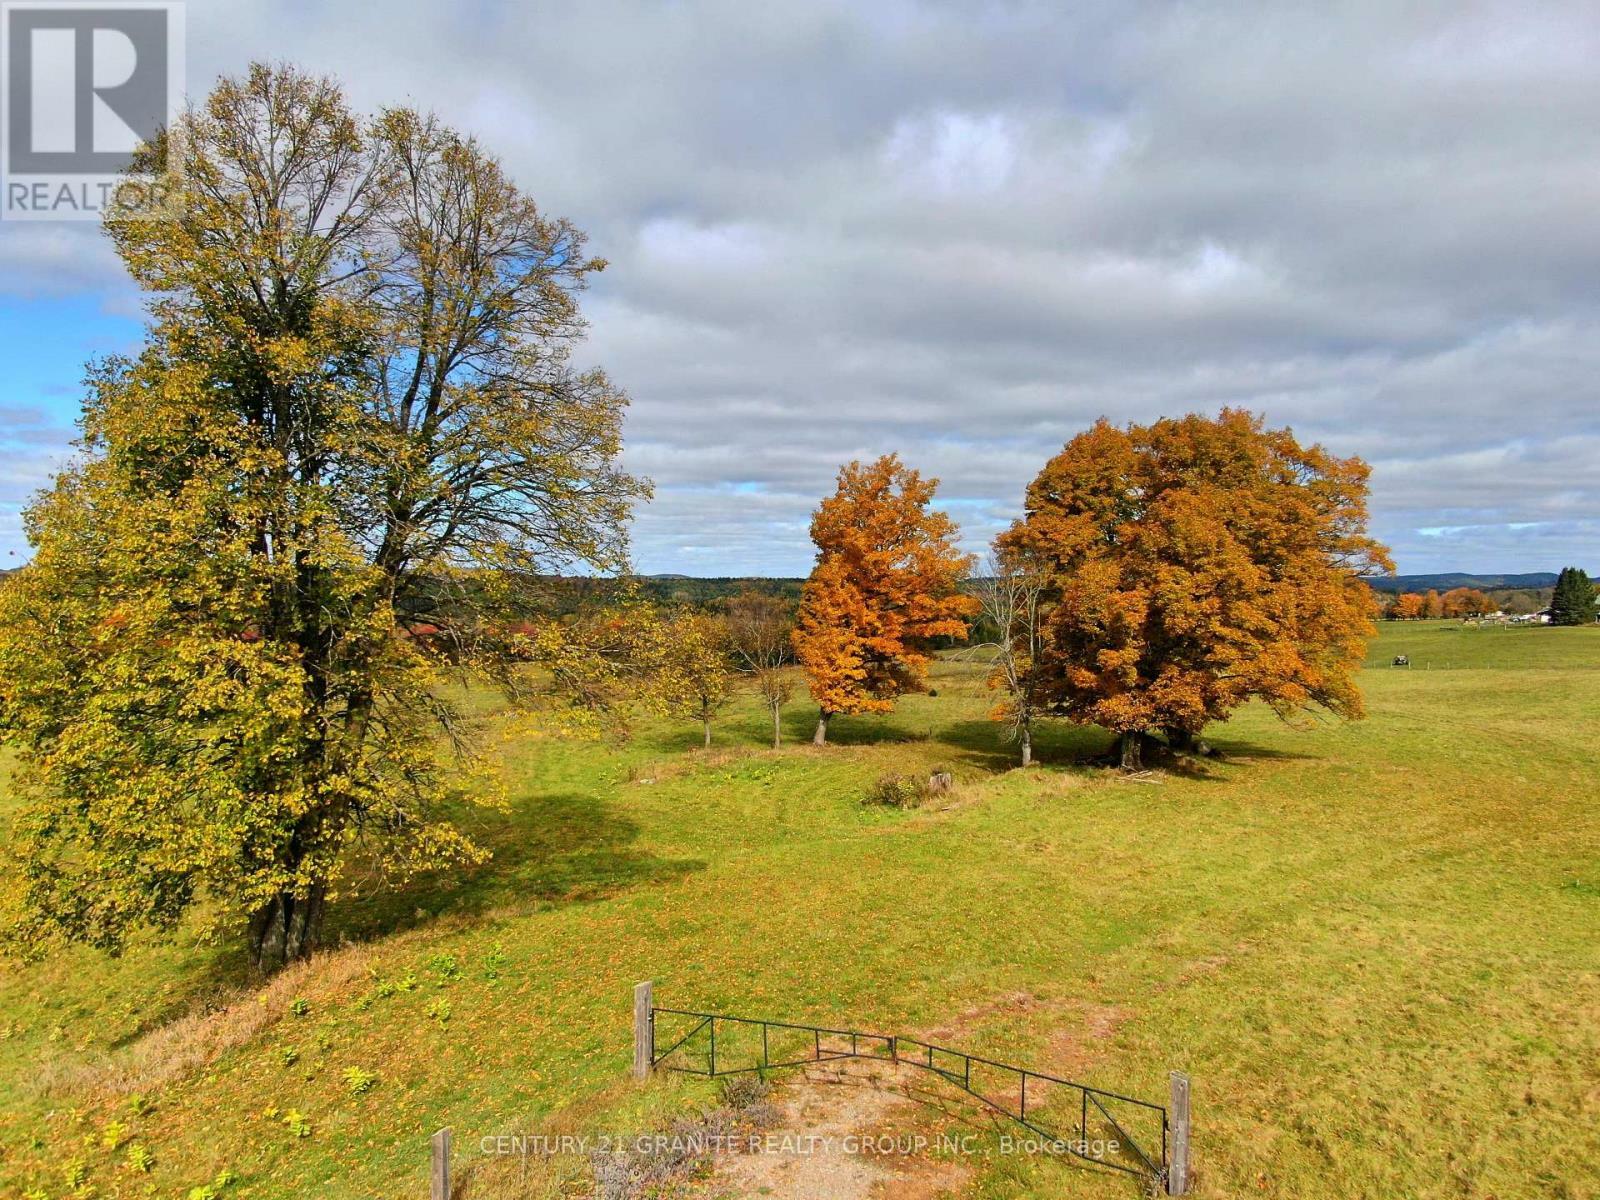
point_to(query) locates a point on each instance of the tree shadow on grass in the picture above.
(976, 742)
(1237, 750)
(549, 851)
(1060, 743)
(984, 743)
(865, 731)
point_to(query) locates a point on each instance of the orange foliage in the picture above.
(1197, 563)
(1409, 607)
(1466, 602)
(885, 585)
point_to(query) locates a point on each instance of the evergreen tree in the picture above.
(1574, 599)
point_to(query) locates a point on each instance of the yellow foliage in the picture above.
(331, 479)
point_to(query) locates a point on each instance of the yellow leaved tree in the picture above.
(350, 447)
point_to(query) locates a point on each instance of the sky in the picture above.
(963, 232)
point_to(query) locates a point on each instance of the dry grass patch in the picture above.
(192, 1043)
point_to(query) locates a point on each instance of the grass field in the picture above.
(1375, 948)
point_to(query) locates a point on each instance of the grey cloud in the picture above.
(55, 259)
(964, 231)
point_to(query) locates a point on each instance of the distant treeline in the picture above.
(704, 593)
(1526, 593)
(1533, 581)
(1516, 594)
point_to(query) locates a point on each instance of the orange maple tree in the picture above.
(886, 584)
(1466, 602)
(1410, 606)
(1197, 563)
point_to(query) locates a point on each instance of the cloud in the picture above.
(962, 232)
(62, 259)
(34, 444)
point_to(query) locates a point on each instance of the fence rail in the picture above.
(1168, 1169)
(1152, 1163)
(1159, 1159)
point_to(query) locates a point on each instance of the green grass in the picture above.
(1372, 946)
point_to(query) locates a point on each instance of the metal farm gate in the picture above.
(1150, 1141)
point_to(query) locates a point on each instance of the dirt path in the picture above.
(846, 1133)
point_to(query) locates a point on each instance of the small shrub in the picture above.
(664, 1166)
(140, 1159)
(288, 1055)
(214, 1189)
(139, 1104)
(439, 1011)
(494, 962)
(296, 1123)
(359, 1082)
(897, 791)
(113, 1134)
(445, 967)
(740, 1092)
(300, 1006)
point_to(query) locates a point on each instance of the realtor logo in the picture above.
(85, 83)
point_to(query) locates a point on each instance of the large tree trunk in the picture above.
(1129, 750)
(820, 738)
(777, 725)
(1027, 746)
(287, 928)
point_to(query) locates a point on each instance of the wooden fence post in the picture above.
(441, 1165)
(1178, 1108)
(644, 1034)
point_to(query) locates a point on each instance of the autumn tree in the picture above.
(1466, 602)
(603, 662)
(886, 585)
(1409, 606)
(1573, 602)
(1196, 563)
(1432, 605)
(694, 675)
(760, 626)
(1011, 594)
(353, 416)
